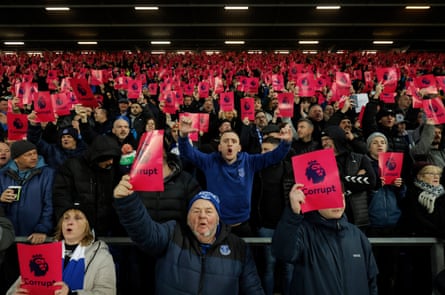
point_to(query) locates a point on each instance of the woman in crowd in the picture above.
(426, 202)
(88, 267)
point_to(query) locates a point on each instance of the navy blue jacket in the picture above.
(226, 268)
(330, 256)
(33, 213)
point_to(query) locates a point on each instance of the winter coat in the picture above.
(33, 212)
(100, 276)
(331, 256)
(80, 180)
(182, 268)
(385, 202)
(419, 221)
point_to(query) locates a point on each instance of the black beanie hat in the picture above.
(84, 210)
(70, 131)
(20, 147)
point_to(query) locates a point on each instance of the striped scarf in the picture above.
(73, 274)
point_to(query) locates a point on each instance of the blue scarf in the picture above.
(74, 272)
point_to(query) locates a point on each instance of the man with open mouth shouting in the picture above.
(229, 172)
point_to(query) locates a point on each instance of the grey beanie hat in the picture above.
(374, 135)
(20, 147)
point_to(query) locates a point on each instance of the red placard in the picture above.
(318, 172)
(390, 165)
(248, 108)
(40, 267)
(226, 101)
(146, 171)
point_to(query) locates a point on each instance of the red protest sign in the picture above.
(248, 108)
(61, 104)
(306, 84)
(388, 97)
(277, 82)
(434, 109)
(40, 267)
(390, 166)
(427, 83)
(96, 77)
(388, 78)
(343, 79)
(17, 126)
(83, 92)
(204, 122)
(286, 104)
(226, 101)
(203, 89)
(169, 99)
(134, 88)
(146, 171)
(44, 107)
(253, 84)
(318, 172)
(153, 88)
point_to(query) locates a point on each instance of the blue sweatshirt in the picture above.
(232, 183)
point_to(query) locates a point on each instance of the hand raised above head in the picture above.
(185, 127)
(286, 134)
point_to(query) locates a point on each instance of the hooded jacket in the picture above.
(33, 212)
(331, 256)
(80, 180)
(171, 204)
(182, 268)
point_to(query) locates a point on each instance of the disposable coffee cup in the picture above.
(17, 189)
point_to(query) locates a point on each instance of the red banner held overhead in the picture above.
(44, 107)
(248, 108)
(226, 101)
(286, 104)
(434, 109)
(17, 126)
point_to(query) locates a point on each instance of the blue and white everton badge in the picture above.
(224, 250)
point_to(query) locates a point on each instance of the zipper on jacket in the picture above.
(201, 276)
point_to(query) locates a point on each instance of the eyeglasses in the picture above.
(260, 117)
(432, 174)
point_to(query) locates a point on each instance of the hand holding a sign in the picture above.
(124, 188)
(32, 118)
(36, 238)
(296, 197)
(20, 291)
(397, 182)
(64, 290)
(185, 127)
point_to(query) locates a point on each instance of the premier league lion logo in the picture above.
(38, 265)
(315, 172)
